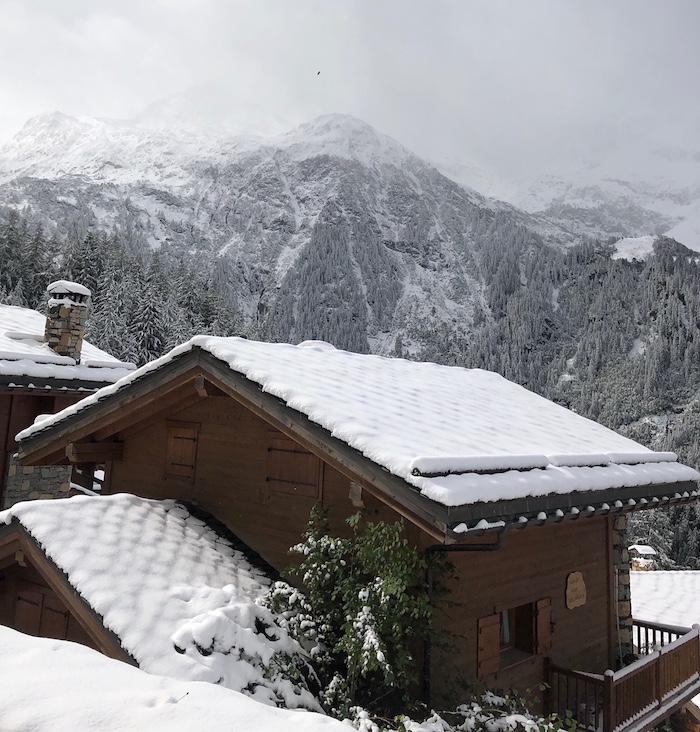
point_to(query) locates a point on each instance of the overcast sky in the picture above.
(505, 83)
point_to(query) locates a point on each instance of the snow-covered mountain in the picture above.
(330, 221)
(641, 187)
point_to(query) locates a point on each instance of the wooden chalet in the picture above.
(45, 366)
(527, 498)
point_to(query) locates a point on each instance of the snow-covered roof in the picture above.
(23, 352)
(643, 549)
(457, 435)
(180, 598)
(670, 597)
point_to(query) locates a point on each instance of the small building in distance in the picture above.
(643, 557)
(45, 365)
(527, 499)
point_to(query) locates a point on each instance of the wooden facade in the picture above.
(200, 444)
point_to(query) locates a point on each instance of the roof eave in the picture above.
(59, 582)
(38, 446)
(558, 507)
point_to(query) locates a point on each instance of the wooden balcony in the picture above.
(640, 696)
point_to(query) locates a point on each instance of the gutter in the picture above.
(493, 546)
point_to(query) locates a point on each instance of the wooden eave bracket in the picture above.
(94, 452)
(205, 388)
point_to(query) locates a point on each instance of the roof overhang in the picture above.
(184, 375)
(17, 543)
(33, 385)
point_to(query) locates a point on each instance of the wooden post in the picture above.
(609, 702)
(547, 693)
(657, 676)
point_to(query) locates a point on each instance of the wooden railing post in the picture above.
(548, 681)
(609, 702)
(657, 676)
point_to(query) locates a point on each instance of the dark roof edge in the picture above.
(64, 583)
(573, 505)
(130, 391)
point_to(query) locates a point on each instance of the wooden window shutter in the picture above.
(28, 611)
(181, 449)
(54, 619)
(543, 625)
(489, 645)
(291, 469)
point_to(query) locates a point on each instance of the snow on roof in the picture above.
(670, 597)
(643, 549)
(65, 287)
(23, 352)
(180, 598)
(458, 435)
(99, 694)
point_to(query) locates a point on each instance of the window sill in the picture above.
(513, 656)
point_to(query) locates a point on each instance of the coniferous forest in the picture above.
(615, 340)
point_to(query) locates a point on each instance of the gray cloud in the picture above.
(506, 82)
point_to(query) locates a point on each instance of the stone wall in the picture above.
(28, 483)
(623, 595)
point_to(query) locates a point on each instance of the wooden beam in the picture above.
(205, 388)
(94, 452)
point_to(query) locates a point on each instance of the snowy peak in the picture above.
(344, 136)
(107, 150)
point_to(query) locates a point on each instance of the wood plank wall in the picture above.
(230, 479)
(16, 581)
(532, 564)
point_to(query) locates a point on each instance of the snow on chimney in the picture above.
(65, 317)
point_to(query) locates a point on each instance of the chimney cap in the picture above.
(65, 287)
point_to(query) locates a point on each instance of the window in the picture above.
(181, 450)
(291, 469)
(512, 635)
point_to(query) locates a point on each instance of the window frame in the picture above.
(530, 634)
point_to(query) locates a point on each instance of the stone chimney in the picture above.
(65, 317)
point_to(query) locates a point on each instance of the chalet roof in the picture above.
(26, 359)
(458, 436)
(643, 549)
(178, 595)
(671, 597)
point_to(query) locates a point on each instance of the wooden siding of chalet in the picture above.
(234, 459)
(532, 565)
(29, 605)
(231, 480)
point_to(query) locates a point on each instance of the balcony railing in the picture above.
(639, 696)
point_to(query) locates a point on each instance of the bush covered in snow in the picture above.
(365, 607)
(488, 713)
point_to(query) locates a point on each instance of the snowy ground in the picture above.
(57, 686)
